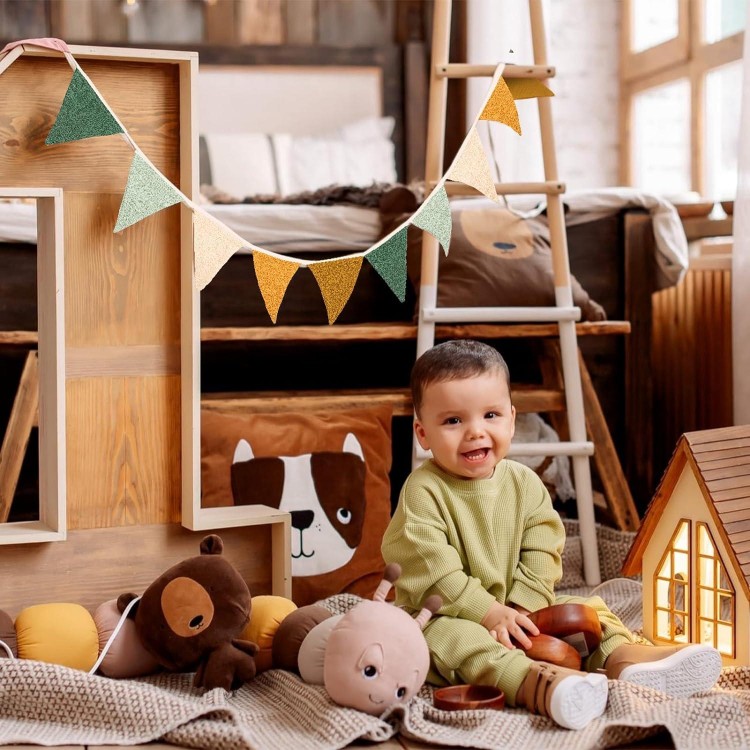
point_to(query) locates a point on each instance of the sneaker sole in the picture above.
(576, 701)
(693, 669)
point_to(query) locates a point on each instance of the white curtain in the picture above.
(500, 31)
(741, 255)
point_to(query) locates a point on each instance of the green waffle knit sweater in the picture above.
(475, 542)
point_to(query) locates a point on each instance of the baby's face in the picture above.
(467, 424)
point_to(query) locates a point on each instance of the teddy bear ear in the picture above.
(212, 545)
(122, 602)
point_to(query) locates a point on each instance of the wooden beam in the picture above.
(23, 415)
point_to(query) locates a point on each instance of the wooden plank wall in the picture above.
(122, 303)
(348, 23)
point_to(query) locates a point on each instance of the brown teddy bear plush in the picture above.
(191, 616)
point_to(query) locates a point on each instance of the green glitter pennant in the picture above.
(435, 218)
(147, 192)
(389, 260)
(82, 114)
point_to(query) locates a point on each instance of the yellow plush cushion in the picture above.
(265, 617)
(58, 634)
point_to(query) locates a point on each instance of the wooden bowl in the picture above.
(468, 697)
(728, 207)
(694, 210)
(571, 622)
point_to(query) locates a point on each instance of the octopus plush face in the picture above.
(190, 618)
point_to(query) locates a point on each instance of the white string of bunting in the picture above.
(85, 114)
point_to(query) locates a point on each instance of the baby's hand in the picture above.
(505, 622)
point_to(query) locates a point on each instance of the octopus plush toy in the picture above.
(371, 658)
(192, 616)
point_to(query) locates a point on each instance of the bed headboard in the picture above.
(301, 90)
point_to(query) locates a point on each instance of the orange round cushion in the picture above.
(58, 634)
(266, 615)
(126, 656)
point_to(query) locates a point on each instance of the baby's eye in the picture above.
(344, 515)
(452, 420)
(370, 672)
(491, 415)
(400, 693)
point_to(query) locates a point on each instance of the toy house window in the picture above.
(716, 599)
(672, 587)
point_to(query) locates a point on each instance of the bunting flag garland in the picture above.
(527, 88)
(471, 167)
(501, 107)
(336, 279)
(434, 216)
(213, 246)
(147, 192)
(389, 260)
(82, 114)
(273, 275)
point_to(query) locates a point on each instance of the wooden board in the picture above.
(122, 291)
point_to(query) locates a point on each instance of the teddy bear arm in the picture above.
(247, 647)
(226, 667)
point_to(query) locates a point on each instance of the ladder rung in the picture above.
(469, 70)
(538, 449)
(507, 188)
(552, 449)
(500, 314)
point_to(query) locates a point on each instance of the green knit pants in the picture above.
(463, 652)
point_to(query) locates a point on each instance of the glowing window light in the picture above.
(672, 588)
(716, 598)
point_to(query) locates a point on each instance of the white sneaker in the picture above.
(680, 672)
(576, 700)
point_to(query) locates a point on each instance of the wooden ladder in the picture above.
(563, 314)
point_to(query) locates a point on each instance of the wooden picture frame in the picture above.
(42, 389)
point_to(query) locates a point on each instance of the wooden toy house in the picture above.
(693, 548)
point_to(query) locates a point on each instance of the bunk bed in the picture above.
(372, 344)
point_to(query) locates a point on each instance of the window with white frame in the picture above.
(681, 84)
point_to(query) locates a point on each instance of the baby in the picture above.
(480, 531)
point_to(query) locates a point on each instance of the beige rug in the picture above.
(50, 705)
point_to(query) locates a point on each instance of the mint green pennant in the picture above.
(435, 218)
(147, 192)
(82, 114)
(389, 260)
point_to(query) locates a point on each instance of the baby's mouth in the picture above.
(478, 454)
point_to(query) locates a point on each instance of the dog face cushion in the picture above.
(329, 471)
(191, 618)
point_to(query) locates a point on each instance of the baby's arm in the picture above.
(539, 567)
(417, 540)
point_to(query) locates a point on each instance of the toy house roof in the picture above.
(720, 461)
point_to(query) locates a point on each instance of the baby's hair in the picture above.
(451, 360)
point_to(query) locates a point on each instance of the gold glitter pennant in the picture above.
(471, 167)
(336, 279)
(274, 275)
(528, 88)
(501, 107)
(213, 246)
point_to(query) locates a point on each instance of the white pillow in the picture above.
(242, 164)
(357, 154)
